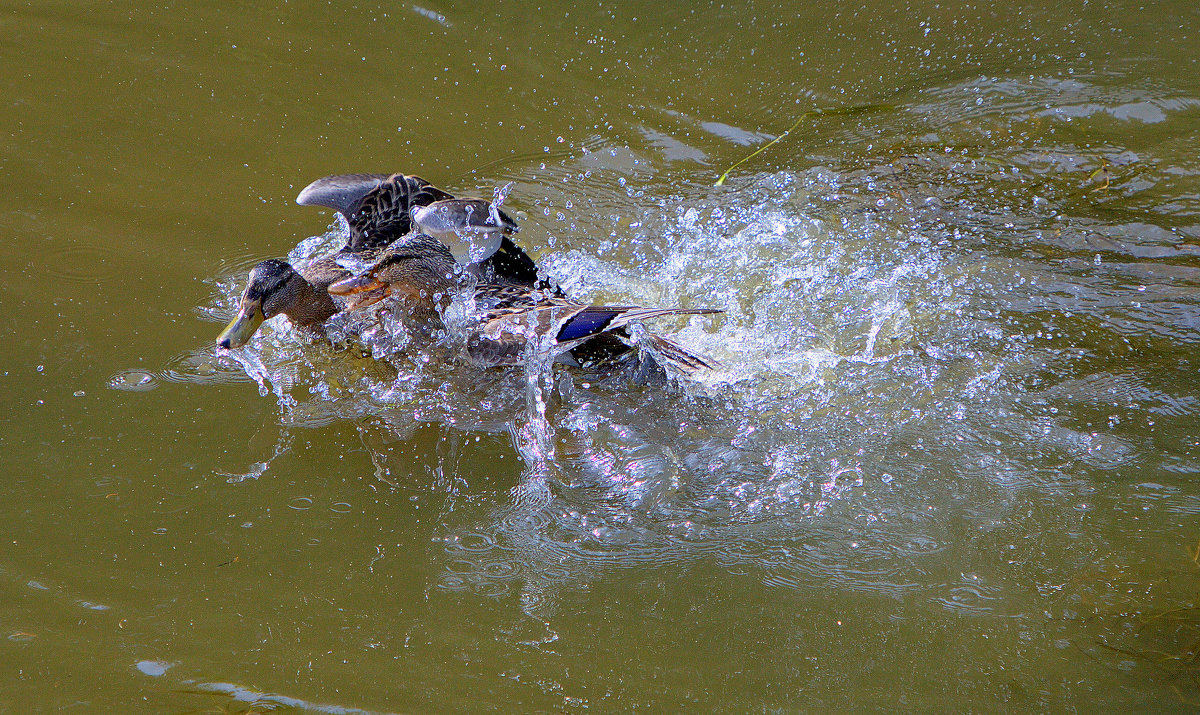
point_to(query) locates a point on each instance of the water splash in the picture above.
(282, 445)
(877, 355)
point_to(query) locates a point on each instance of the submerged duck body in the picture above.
(378, 209)
(420, 274)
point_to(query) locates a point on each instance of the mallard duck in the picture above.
(378, 209)
(419, 272)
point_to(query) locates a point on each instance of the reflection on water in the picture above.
(232, 698)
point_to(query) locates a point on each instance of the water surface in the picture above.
(948, 460)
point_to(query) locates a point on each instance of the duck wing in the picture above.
(465, 214)
(511, 263)
(593, 320)
(377, 207)
(513, 316)
(342, 193)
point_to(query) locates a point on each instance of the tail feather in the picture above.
(631, 315)
(680, 357)
(666, 350)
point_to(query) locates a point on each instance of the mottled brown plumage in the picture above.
(421, 275)
(275, 287)
(378, 210)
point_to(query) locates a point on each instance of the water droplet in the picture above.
(133, 381)
(452, 583)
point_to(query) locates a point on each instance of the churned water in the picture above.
(947, 460)
(922, 357)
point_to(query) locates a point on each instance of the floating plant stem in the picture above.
(763, 148)
(848, 111)
(1102, 171)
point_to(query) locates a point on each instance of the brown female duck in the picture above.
(379, 209)
(419, 273)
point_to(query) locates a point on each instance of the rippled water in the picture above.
(919, 354)
(947, 460)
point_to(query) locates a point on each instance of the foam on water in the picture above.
(867, 351)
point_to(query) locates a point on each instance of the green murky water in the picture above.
(949, 460)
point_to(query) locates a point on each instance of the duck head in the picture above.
(275, 287)
(417, 270)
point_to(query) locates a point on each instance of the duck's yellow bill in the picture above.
(241, 328)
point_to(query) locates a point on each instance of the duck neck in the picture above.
(311, 307)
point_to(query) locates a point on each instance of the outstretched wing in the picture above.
(342, 193)
(378, 209)
(570, 323)
(376, 206)
(512, 316)
(606, 318)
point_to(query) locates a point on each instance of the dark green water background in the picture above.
(950, 463)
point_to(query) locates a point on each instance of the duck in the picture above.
(418, 273)
(379, 209)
